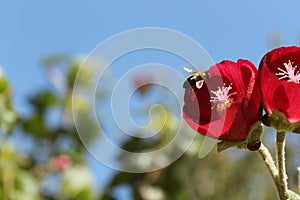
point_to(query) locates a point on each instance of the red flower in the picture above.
(280, 82)
(226, 104)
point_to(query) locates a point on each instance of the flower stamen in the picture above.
(222, 99)
(289, 73)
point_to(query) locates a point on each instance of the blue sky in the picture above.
(31, 30)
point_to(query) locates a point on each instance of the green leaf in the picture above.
(42, 100)
(54, 60)
(3, 84)
(76, 182)
(72, 73)
(27, 187)
(8, 117)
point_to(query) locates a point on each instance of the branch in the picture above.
(282, 177)
(269, 162)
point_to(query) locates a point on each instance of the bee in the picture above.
(197, 78)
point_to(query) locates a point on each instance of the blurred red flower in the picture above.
(141, 82)
(279, 78)
(228, 98)
(60, 162)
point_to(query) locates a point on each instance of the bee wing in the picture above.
(190, 70)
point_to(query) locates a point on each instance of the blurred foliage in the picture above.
(229, 175)
(54, 166)
(8, 117)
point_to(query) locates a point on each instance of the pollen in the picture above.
(222, 99)
(289, 73)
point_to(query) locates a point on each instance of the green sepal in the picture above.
(252, 142)
(293, 195)
(278, 121)
(223, 145)
(254, 136)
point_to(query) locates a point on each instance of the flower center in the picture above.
(289, 73)
(221, 99)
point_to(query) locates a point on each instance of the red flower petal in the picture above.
(279, 94)
(235, 123)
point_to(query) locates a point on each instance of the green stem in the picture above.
(282, 177)
(298, 180)
(269, 162)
